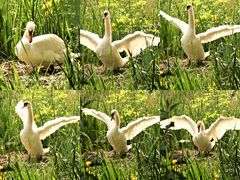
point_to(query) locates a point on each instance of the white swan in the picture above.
(31, 135)
(108, 51)
(203, 139)
(118, 137)
(192, 43)
(41, 50)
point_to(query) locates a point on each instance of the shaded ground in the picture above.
(13, 72)
(16, 71)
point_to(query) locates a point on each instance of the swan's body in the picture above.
(117, 136)
(31, 135)
(192, 43)
(42, 50)
(108, 51)
(203, 139)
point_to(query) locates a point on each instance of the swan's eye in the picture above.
(105, 14)
(25, 104)
(212, 140)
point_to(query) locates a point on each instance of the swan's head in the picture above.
(189, 7)
(30, 28)
(22, 109)
(114, 113)
(106, 14)
(115, 116)
(200, 126)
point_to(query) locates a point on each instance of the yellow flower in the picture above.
(216, 174)
(87, 170)
(175, 168)
(136, 113)
(47, 7)
(214, 17)
(133, 177)
(161, 72)
(36, 116)
(88, 163)
(174, 161)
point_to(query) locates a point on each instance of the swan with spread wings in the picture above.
(108, 51)
(117, 136)
(31, 135)
(204, 139)
(192, 43)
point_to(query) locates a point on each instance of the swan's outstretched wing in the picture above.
(135, 127)
(223, 124)
(89, 39)
(180, 122)
(99, 115)
(218, 32)
(176, 22)
(51, 126)
(136, 42)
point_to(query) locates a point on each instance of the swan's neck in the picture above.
(108, 29)
(26, 35)
(117, 120)
(28, 123)
(191, 21)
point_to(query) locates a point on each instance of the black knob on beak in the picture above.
(25, 104)
(188, 7)
(112, 116)
(105, 14)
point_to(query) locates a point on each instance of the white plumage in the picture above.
(192, 43)
(31, 135)
(41, 50)
(203, 139)
(118, 137)
(108, 51)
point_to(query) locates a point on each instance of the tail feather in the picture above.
(206, 54)
(45, 150)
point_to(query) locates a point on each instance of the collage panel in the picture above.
(127, 89)
(112, 45)
(119, 135)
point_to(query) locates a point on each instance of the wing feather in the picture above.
(176, 22)
(180, 122)
(99, 115)
(218, 32)
(89, 39)
(136, 42)
(223, 124)
(51, 126)
(137, 126)
(49, 42)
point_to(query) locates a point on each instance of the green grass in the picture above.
(142, 72)
(153, 150)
